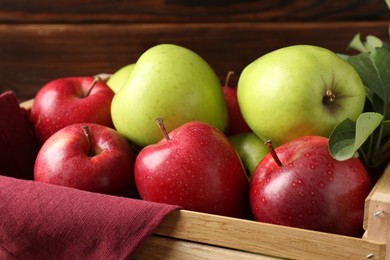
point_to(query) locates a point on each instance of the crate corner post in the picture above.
(377, 214)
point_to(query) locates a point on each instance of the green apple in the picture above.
(250, 148)
(171, 82)
(120, 77)
(299, 90)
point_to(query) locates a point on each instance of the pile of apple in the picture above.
(163, 129)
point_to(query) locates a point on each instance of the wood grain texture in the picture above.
(179, 11)
(158, 247)
(32, 55)
(267, 239)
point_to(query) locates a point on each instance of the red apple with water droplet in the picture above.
(237, 124)
(88, 157)
(65, 101)
(195, 166)
(299, 184)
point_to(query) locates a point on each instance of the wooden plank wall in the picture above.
(41, 40)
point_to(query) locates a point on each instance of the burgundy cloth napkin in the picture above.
(43, 221)
(18, 147)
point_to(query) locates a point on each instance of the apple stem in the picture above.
(331, 97)
(229, 74)
(160, 123)
(271, 149)
(103, 76)
(96, 79)
(87, 134)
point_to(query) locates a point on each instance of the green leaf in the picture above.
(342, 140)
(373, 42)
(386, 124)
(357, 44)
(370, 135)
(374, 70)
(369, 45)
(365, 126)
(348, 136)
(386, 129)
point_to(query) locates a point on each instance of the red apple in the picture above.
(237, 124)
(195, 167)
(309, 189)
(71, 100)
(88, 157)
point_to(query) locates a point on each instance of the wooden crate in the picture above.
(42, 40)
(187, 234)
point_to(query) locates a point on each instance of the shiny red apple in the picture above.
(195, 167)
(237, 124)
(88, 157)
(70, 100)
(299, 184)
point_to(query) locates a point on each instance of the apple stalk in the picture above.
(273, 153)
(103, 76)
(96, 79)
(160, 124)
(229, 74)
(87, 134)
(329, 96)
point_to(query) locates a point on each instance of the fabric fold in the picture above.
(43, 221)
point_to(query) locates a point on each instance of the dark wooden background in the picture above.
(42, 40)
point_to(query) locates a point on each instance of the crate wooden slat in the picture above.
(266, 239)
(158, 247)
